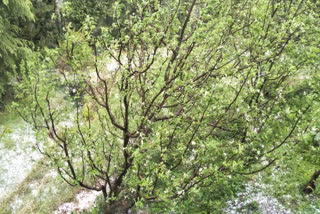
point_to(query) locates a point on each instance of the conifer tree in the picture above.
(12, 47)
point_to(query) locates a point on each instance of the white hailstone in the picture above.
(268, 53)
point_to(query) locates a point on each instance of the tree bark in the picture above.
(310, 187)
(120, 207)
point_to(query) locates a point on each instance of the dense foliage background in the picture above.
(169, 106)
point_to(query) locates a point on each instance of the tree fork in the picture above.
(311, 186)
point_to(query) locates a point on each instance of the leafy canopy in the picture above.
(174, 97)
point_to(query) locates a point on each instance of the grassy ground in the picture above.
(38, 189)
(287, 184)
(40, 192)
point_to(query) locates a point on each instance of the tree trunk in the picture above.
(310, 187)
(120, 207)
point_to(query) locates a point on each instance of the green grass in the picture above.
(51, 192)
(39, 192)
(287, 185)
(9, 121)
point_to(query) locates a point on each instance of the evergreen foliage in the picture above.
(12, 46)
(46, 28)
